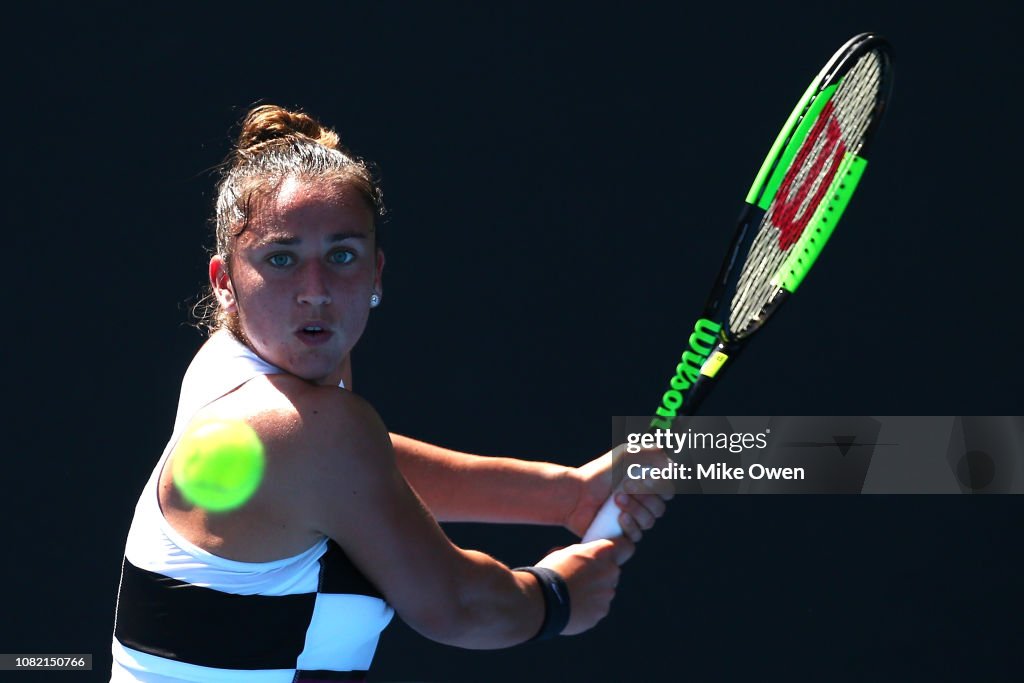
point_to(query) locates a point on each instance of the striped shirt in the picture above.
(184, 614)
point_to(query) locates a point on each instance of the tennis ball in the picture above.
(218, 464)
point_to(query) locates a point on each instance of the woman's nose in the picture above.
(313, 288)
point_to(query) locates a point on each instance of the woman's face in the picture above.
(301, 277)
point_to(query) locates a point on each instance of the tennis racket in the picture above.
(791, 210)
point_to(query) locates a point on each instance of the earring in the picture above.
(374, 300)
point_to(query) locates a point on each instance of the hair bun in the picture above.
(269, 122)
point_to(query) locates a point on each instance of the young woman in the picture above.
(297, 583)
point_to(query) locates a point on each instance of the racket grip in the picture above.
(606, 522)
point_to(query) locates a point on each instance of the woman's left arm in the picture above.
(460, 487)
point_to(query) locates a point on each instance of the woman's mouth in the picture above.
(314, 335)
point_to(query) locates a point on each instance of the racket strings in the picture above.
(855, 105)
(839, 129)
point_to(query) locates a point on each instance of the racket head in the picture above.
(804, 185)
(792, 208)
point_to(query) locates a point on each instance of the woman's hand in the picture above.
(591, 571)
(642, 501)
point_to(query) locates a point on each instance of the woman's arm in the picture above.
(344, 483)
(460, 487)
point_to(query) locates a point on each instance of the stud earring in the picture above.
(374, 300)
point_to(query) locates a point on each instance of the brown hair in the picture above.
(275, 144)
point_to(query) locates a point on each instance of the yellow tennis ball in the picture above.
(218, 464)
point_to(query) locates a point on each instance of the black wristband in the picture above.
(556, 601)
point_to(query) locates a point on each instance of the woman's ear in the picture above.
(220, 282)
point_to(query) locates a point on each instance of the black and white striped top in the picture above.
(184, 614)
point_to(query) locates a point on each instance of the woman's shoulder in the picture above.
(314, 403)
(291, 414)
(314, 438)
(283, 395)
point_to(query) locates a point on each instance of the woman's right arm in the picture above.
(348, 487)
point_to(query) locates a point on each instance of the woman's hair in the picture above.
(276, 144)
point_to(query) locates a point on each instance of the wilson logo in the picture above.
(702, 341)
(825, 143)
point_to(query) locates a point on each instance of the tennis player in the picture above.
(297, 583)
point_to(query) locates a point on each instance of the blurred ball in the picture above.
(218, 464)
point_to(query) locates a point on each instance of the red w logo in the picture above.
(789, 199)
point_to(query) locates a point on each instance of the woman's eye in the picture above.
(280, 260)
(342, 257)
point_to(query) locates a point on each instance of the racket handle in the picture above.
(606, 522)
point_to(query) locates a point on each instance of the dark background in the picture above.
(563, 181)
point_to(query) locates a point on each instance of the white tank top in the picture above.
(184, 614)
